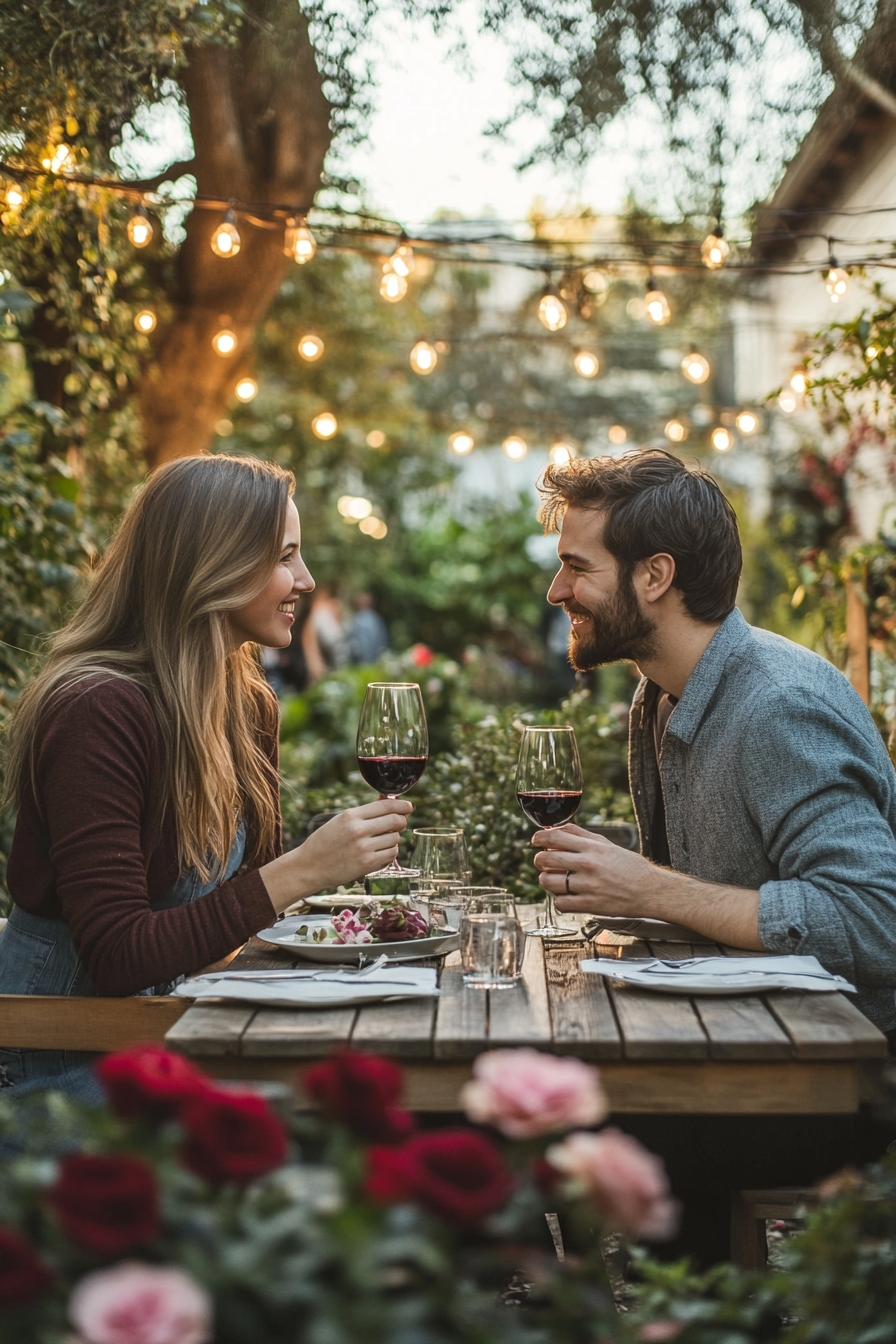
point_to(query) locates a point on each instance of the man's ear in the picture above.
(656, 576)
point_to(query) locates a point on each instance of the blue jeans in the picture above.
(38, 956)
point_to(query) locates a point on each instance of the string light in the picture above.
(461, 443)
(325, 425)
(586, 364)
(226, 237)
(872, 353)
(722, 439)
(515, 448)
(298, 241)
(837, 280)
(747, 422)
(57, 159)
(247, 389)
(373, 527)
(675, 431)
(616, 434)
(596, 284)
(354, 507)
(140, 228)
(310, 347)
(695, 367)
(15, 196)
(551, 310)
(423, 358)
(787, 402)
(656, 303)
(798, 382)
(375, 439)
(561, 453)
(145, 321)
(393, 286)
(402, 260)
(714, 252)
(224, 342)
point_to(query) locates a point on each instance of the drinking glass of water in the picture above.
(440, 855)
(491, 943)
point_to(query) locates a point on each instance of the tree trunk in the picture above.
(261, 130)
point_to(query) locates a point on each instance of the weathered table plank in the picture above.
(297, 1033)
(826, 1026)
(64, 1022)
(401, 1029)
(521, 1015)
(461, 1015)
(213, 1029)
(581, 1013)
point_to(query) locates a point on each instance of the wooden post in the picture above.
(858, 665)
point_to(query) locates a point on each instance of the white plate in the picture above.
(349, 954)
(338, 902)
(657, 929)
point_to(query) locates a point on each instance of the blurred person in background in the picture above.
(368, 638)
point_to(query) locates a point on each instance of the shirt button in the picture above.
(794, 933)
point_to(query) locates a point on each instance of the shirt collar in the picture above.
(703, 681)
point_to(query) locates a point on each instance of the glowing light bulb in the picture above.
(596, 283)
(15, 196)
(461, 443)
(57, 158)
(247, 389)
(747, 422)
(342, 504)
(310, 347)
(357, 508)
(140, 228)
(376, 438)
(226, 237)
(675, 431)
(145, 321)
(798, 382)
(551, 311)
(656, 304)
(616, 434)
(393, 286)
(224, 342)
(515, 448)
(722, 439)
(695, 367)
(714, 252)
(872, 353)
(402, 260)
(373, 527)
(298, 241)
(561, 453)
(423, 358)
(325, 425)
(787, 402)
(836, 282)
(586, 364)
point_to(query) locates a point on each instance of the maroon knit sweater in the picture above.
(84, 847)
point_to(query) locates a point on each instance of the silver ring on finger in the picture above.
(568, 892)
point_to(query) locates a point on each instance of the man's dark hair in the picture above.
(654, 503)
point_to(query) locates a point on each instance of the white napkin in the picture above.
(313, 988)
(722, 975)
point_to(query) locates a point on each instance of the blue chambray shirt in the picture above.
(775, 777)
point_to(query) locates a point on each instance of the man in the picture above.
(764, 795)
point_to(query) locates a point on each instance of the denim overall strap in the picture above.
(37, 956)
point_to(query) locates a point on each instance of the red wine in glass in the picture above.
(391, 775)
(550, 807)
(392, 746)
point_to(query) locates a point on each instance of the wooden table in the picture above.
(775, 1054)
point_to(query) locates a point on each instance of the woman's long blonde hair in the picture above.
(201, 538)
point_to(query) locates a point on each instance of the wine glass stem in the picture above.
(550, 911)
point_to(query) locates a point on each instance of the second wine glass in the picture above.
(393, 746)
(549, 790)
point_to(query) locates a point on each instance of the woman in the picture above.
(143, 758)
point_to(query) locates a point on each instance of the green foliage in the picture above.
(472, 785)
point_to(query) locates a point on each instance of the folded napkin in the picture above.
(313, 988)
(722, 975)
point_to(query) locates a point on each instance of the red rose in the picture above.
(107, 1204)
(421, 656)
(231, 1136)
(361, 1091)
(149, 1081)
(456, 1174)
(23, 1275)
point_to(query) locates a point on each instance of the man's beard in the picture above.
(618, 630)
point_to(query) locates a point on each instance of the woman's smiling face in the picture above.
(268, 619)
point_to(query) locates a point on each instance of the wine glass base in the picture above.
(551, 931)
(395, 870)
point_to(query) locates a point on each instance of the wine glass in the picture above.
(392, 746)
(549, 790)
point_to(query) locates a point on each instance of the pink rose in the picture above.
(141, 1304)
(626, 1184)
(524, 1093)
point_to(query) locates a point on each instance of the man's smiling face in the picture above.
(608, 623)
